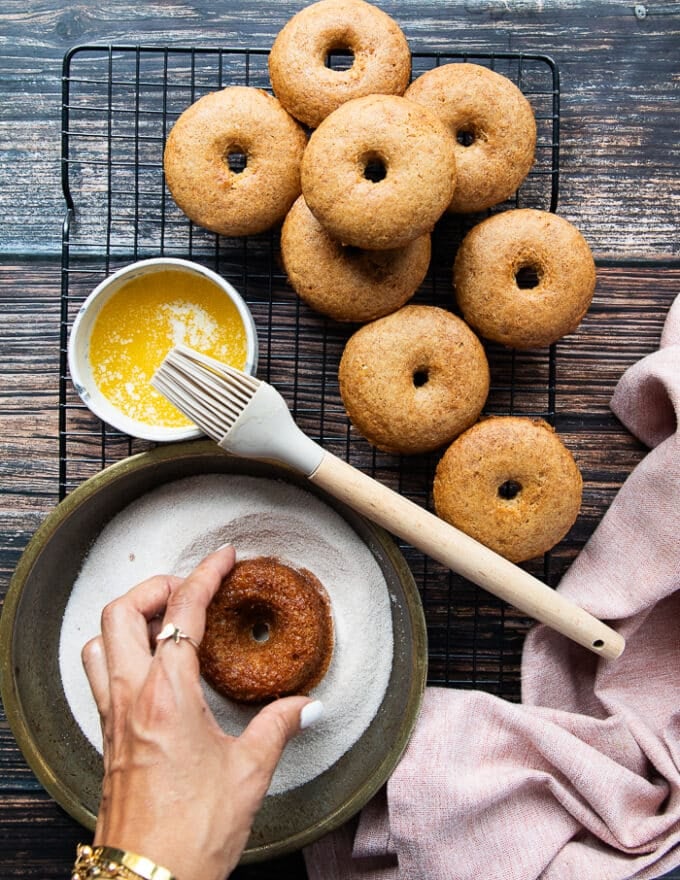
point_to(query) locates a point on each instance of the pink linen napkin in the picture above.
(583, 779)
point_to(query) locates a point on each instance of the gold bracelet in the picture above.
(108, 863)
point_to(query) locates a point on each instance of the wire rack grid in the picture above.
(119, 104)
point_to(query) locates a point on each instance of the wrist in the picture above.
(108, 862)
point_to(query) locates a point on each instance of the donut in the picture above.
(412, 381)
(348, 283)
(512, 484)
(493, 126)
(524, 278)
(241, 123)
(300, 77)
(268, 634)
(379, 172)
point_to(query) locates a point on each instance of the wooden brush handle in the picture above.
(463, 554)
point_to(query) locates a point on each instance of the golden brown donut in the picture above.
(524, 278)
(346, 283)
(412, 153)
(269, 632)
(307, 87)
(510, 483)
(493, 125)
(240, 121)
(412, 381)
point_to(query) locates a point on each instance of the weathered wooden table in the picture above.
(618, 164)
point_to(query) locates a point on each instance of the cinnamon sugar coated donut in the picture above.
(493, 126)
(301, 79)
(379, 172)
(347, 283)
(269, 632)
(524, 278)
(510, 483)
(244, 122)
(412, 381)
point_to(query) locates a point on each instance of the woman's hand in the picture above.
(177, 789)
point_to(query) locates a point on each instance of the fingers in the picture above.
(187, 604)
(271, 729)
(125, 627)
(131, 623)
(94, 662)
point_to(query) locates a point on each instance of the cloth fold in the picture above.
(582, 779)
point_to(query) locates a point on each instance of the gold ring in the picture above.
(170, 631)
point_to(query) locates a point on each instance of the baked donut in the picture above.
(510, 483)
(244, 122)
(412, 381)
(300, 77)
(493, 126)
(269, 632)
(524, 278)
(347, 283)
(379, 172)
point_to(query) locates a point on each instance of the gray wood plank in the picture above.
(619, 164)
(619, 82)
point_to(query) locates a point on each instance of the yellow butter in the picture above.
(139, 325)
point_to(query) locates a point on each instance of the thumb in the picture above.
(271, 729)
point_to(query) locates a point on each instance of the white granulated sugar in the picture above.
(171, 529)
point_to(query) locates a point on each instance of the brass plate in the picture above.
(62, 758)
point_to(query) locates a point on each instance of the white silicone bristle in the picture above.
(245, 416)
(212, 394)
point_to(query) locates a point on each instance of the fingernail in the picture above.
(310, 714)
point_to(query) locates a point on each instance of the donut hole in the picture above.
(352, 252)
(260, 631)
(339, 57)
(374, 266)
(528, 276)
(421, 377)
(509, 489)
(466, 137)
(374, 167)
(237, 159)
(256, 622)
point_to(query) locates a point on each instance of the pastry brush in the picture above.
(249, 418)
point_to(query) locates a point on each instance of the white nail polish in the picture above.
(310, 714)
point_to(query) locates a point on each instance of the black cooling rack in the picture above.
(119, 104)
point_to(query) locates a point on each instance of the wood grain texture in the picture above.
(39, 841)
(623, 324)
(619, 167)
(620, 132)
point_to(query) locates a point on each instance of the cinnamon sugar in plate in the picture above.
(170, 529)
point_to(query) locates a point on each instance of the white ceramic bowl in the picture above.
(79, 346)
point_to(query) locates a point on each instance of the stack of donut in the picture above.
(359, 165)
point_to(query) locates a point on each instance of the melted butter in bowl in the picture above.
(143, 320)
(129, 323)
